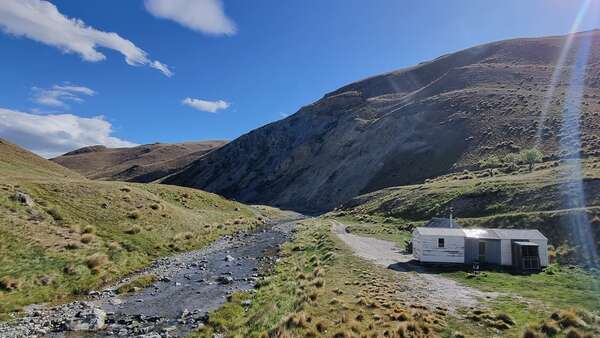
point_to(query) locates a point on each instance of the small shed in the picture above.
(523, 249)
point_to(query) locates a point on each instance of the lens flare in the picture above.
(558, 69)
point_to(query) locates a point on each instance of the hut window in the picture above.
(440, 242)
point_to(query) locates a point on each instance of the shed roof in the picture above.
(441, 231)
(528, 234)
(510, 234)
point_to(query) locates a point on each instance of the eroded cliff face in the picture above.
(403, 127)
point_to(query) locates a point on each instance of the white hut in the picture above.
(524, 250)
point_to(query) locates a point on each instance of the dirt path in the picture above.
(426, 288)
(188, 286)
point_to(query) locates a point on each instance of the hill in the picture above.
(145, 163)
(18, 162)
(62, 234)
(406, 126)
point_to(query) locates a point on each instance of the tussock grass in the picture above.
(89, 229)
(87, 238)
(287, 305)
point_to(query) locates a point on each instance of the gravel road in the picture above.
(189, 286)
(426, 288)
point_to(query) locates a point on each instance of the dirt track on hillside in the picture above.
(418, 285)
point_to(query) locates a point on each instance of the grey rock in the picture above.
(23, 198)
(89, 321)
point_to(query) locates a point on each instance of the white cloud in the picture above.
(41, 21)
(207, 106)
(55, 134)
(58, 95)
(206, 16)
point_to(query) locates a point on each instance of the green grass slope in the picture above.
(80, 234)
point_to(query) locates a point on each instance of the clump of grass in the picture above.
(133, 215)
(87, 238)
(184, 236)
(574, 333)
(505, 318)
(72, 246)
(10, 284)
(96, 261)
(137, 284)
(298, 320)
(550, 328)
(135, 229)
(55, 214)
(568, 318)
(89, 229)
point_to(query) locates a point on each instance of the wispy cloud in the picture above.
(206, 16)
(41, 21)
(55, 134)
(58, 96)
(206, 106)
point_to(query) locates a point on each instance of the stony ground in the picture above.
(188, 286)
(429, 289)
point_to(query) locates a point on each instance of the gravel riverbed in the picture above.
(188, 286)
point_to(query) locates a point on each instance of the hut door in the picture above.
(481, 251)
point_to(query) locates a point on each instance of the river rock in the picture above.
(224, 280)
(229, 258)
(89, 321)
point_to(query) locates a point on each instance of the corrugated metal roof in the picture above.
(519, 234)
(440, 231)
(512, 234)
(481, 233)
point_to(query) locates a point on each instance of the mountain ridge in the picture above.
(405, 126)
(142, 164)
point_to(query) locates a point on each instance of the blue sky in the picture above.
(262, 58)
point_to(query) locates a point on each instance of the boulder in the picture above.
(23, 198)
(88, 321)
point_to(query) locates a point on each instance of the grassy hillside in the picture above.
(519, 199)
(76, 234)
(19, 163)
